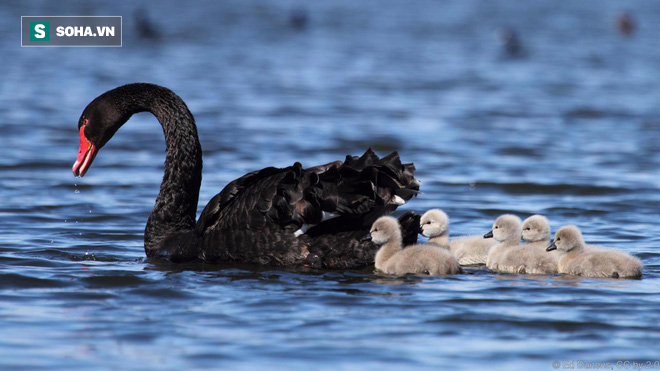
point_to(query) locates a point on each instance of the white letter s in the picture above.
(39, 31)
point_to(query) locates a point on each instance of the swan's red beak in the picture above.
(86, 154)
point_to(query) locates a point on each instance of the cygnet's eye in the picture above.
(528, 229)
(558, 239)
(429, 222)
(496, 227)
(376, 230)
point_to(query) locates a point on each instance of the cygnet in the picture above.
(598, 262)
(507, 231)
(532, 254)
(391, 258)
(469, 250)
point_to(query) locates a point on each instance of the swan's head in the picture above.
(507, 227)
(536, 228)
(566, 239)
(384, 229)
(97, 124)
(106, 114)
(434, 223)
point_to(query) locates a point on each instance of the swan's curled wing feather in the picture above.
(360, 188)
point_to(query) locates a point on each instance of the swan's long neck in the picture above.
(176, 204)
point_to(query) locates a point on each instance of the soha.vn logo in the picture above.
(39, 31)
(84, 31)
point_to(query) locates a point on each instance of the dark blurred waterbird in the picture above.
(511, 44)
(625, 23)
(298, 19)
(144, 26)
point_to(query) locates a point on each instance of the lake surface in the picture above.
(568, 127)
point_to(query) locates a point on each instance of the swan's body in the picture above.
(255, 218)
(391, 258)
(596, 262)
(469, 250)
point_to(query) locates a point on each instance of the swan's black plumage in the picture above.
(254, 218)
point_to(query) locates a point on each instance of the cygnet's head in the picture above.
(507, 227)
(536, 228)
(384, 229)
(434, 223)
(566, 239)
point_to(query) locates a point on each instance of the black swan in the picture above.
(312, 217)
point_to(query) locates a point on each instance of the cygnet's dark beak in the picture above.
(489, 235)
(551, 247)
(366, 238)
(421, 230)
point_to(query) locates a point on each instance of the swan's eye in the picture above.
(85, 122)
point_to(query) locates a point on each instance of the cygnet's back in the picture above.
(472, 250)
(507, 231)
(416, 259)
(594, 262)
(469, 250)
(422, 259)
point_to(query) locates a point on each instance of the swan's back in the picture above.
(293, 196)
(422, 259)
(256, 216)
